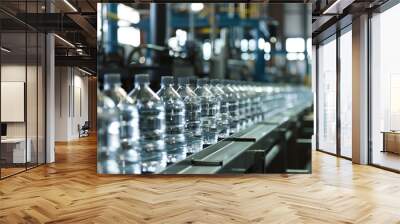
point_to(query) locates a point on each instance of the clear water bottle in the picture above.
(112, 88)
(258, 102)
(108, 141)
(129, 136)
(242, 105)
(247, 98)
(209, 112)
(175, 142)
(151, 126)
(250, 88)
(192, 116)
(233, 107)
(223, 118)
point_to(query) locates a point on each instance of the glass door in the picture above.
(22, 91)
(14, 153)
(346, 93)
(327, 96)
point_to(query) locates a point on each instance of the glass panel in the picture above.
(23, 82)
(327, 97)
(32, 88)
(31, 100)
(346, 94)
(41, 99)
(385, 89)
(13, 86)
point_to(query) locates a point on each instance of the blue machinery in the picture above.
(222, 21)
(111, 36)
(156, 28)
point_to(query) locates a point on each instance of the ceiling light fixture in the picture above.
(196, 7)
(5, 50)
(332, 7)
(84, 71)
(64, 40)
(70, 5)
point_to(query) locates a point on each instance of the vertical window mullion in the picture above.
(338, 80)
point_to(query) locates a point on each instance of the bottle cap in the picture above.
(202, 82)
(192, 81)
(183, 80)
(142, 78)
(167, 80)
(113, 78)
(214, 82)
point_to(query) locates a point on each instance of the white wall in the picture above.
(33, 126)
(17, 73)
(71, 94)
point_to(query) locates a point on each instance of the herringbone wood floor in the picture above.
(70, 191)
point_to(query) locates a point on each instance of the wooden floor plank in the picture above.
(70, 191)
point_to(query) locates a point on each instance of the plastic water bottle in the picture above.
(192, 116)
(233, 107)
(128, 158)
(250, 89)
(247, 98)
(108, 141)
(129, 136)
(209, 112)
(242, 105)
(112, 88)
(257, 103)
(151, 126)
(175, 142)
(223, 118)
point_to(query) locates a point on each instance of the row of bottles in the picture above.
(144, 131)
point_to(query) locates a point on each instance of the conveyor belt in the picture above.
(236, 153)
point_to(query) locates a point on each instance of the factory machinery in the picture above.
(278, 143)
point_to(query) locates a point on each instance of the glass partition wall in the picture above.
(385, 89)
(334, 86)
(22, 77)
(345, 108)
(327, 95)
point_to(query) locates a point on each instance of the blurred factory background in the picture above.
(258, 42)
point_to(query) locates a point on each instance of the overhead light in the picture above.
(261, 43)
(333, 6)
(70, 5)
(127, 15)
(84, 71)
(252, 44)
(64, 40)
(207, 50)
(196, 7)
(267, 47)
(295, 45)
(129, 36)
(5, 50)
(79, 51)
(244, 45)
